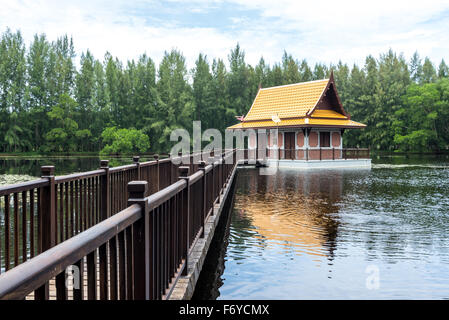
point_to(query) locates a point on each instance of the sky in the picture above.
(316, 30)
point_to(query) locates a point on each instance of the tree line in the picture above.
(49, 104)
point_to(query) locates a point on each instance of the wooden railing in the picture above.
(138, 253)
(42, 213)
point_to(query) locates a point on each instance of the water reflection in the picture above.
(301, 218)
(316, 234)
(63, 164)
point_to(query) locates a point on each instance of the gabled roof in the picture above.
(289, 101)
(305, 104)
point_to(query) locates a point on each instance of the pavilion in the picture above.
(309, 120)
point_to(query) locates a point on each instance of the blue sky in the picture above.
(317, 30)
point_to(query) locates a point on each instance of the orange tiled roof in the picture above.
(292, 104)
(344, 123)
(288, 101)
(327, 114)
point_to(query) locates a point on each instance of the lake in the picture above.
(328, 234)
(17, 169)
(335, 234)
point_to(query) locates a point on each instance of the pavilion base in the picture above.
(312, 164)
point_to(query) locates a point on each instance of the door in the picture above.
(289, 145)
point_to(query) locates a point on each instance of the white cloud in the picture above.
(320, 31)
(350, 30)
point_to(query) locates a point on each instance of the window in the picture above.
(325, 139)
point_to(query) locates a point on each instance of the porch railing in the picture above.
(309, 154)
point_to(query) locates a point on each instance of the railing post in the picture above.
(105, 203)
(211, 161)
(48, 216)
(307, 154)
(156, 157)
(202, 167)
(223, 173)
(333, 153)
(180, 156)
(137, 191)
(137, 163)
(320, 153)
(47, 221)
(185, 217)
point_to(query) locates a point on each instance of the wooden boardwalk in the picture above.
(136, 225)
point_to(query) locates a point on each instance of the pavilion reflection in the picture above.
(295, 209)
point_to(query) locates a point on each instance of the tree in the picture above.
(428, 72)
(320, 71)
(305, 71)
(124, 141)
(237, 81)
(416, 70)
(13, 88)
(276, 77)
(202, 91)
(420, 114)
(177, 107)
(262, 72)
(112, 71)
(290, 69)
(85, 97)
(223, 113)
(37, 65)
(63, 136)
(443, 70)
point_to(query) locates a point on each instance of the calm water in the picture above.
(335, 234)
(63, 165)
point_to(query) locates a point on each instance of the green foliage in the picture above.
(47, 104)
(419, 125)
(63, 138)
(124, 141)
